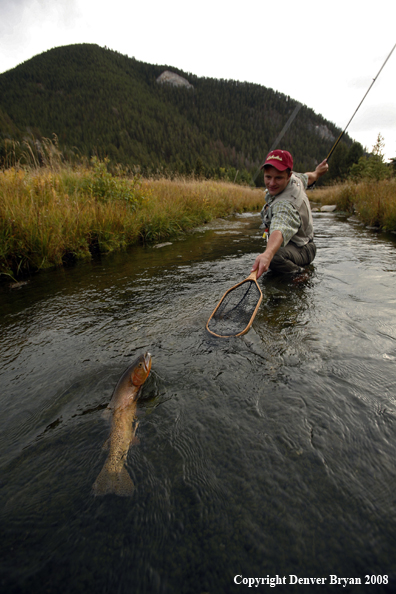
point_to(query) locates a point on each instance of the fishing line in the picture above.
(281, 135)
(367, 92)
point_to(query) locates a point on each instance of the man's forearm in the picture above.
(321, 169)
(274, 242)
(263, 261)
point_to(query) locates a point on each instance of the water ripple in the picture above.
(269, 454)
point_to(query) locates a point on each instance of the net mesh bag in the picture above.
(235, 312)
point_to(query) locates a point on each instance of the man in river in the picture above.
(287, 215)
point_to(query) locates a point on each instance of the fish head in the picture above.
(141, 369)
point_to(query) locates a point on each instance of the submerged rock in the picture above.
(328, 208)
(160, 245)
(18, 285)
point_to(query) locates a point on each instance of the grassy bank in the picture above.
(373, 202)
(59, 214)
(51, 217)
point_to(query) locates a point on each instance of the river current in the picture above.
(269, 456)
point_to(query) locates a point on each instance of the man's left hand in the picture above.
(322, 168)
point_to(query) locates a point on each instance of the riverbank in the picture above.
(374, 203)
(54, 217)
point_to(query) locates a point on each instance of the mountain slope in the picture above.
(98, 101)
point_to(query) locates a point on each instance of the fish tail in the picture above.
(117, 482)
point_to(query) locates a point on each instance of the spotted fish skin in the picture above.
(114, 477)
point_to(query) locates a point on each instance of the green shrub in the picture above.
(106, 188)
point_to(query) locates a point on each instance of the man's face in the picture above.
(275, 181)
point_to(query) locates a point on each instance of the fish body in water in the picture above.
(114, 477)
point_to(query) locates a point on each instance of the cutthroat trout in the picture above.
(114, 477)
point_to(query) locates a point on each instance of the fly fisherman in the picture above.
(287, 215)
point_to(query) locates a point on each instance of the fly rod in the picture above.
(367, 92)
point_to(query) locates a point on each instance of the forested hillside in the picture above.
(99, 102)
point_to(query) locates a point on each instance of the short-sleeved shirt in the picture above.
(285, 218)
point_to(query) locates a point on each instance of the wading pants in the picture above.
(291, 259)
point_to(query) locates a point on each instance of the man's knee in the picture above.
(311, 247)
(282, 262)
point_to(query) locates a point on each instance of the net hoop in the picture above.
(251, 277)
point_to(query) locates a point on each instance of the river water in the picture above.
(268, 455)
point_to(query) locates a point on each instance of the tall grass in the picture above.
(53, 215)
(179, 205)
(373, 202)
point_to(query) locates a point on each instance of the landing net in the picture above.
(236, 310)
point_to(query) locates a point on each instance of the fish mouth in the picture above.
(147, 362)
(140, 369)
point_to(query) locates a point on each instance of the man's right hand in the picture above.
(263, 261)
(261, 264)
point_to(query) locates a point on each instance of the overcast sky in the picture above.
(324, 54)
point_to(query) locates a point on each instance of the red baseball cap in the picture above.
(281, 160)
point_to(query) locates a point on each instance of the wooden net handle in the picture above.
(252, 276)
